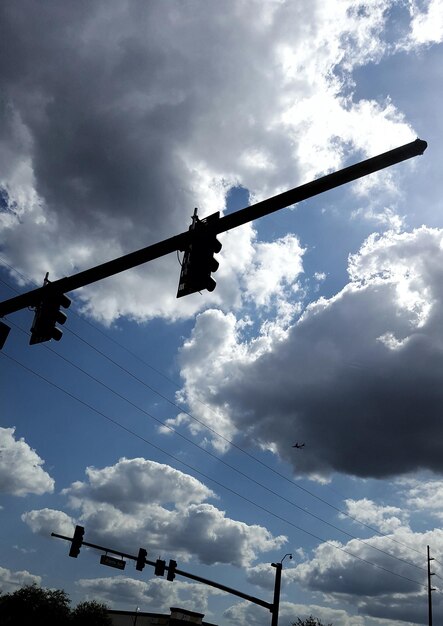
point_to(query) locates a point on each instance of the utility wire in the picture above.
(225, 463)
(205, 425)
(218, 483)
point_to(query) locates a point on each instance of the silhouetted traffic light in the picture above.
(198, 260)
(159, 567)
(141, 559)
(4, 332)
(171, 570)
(47, 315)
(77, 541)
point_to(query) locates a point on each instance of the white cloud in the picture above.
(21, 470)
(386, 518)
(10, 580)
(276, 266)
(247, 614)
(159, 507)
(154, 595)
(45, 521)
(425, 495)
(132, 482)
(263, 575)
(427, 25)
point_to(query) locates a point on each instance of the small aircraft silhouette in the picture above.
(298, 445)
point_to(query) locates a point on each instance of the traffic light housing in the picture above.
(171, 570)
(141, 559)
(4, 332)
(47, 315)
(77, 541)
(160, 567)
(198, 261)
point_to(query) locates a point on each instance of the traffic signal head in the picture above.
(198, 260)
(160, 567)
(171, 570)
(141, 559)
(4, 332)
(47, 315)
(77, 541)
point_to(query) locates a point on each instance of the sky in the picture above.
(169, 423)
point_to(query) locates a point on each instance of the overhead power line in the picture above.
(206, 476)
(228, 465)
(236, 446)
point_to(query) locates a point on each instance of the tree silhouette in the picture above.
(91, 614)
(309, 621)
(34, 606)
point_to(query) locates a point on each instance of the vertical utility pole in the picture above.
(277, 587)
(430, 589)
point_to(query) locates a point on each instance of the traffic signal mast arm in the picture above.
(211, 583)
(320, 185)
(227, 222)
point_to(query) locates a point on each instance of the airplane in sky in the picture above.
(298, 445)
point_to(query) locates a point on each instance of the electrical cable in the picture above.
(205, 425)
(192, 468)
(225, 463)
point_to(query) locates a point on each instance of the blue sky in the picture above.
(168, 423)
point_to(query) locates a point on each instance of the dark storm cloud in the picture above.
(358, 379)
(78, 78)
(120, 117)
(389, 590)
(412, 609)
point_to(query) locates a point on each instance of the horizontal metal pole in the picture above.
(232, 220)
(235, 592)
(320, 185)
(102, 549)
(94, 274)
(200, 579)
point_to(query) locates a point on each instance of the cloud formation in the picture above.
(140, 502)
(247, 614)
(157, 594)
(10, 581)
(358, 374)
(390, 590)
(21, 470)
(120, 120)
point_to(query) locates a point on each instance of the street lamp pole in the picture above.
(277, 586)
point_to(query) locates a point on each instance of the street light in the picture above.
(277, 585)
(137, 609)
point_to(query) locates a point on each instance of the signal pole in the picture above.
(277, 586)
(160, 567)
(213, 227)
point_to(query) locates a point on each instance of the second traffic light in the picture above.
(198, 261)
(141, 559)
(171, 570)
(77, 541)
(47, 315)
